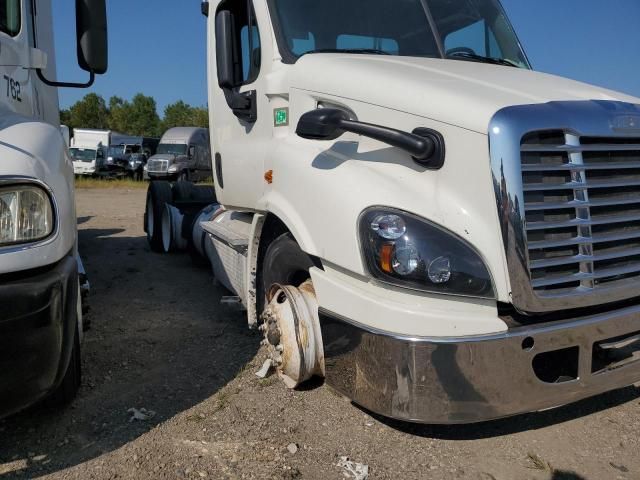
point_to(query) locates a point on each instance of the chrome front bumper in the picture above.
(475, 379)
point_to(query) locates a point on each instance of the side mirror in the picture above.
(192, 151)
(224, 49)
(426, 146)
(243, 105)
(92, 43)
(91, 33)
(322, 124)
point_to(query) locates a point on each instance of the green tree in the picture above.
(145, 119)
(138, 117)
(176, 115)
(65, 118)
(201, 117)
(181, 114)
(90, 112)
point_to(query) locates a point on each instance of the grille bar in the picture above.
(576, 204)
(577, 185)
(556, 262)
(581, 240)
(582, 212)
(582, 223)
(157, 166)
(570, 166)
(533, 148)
(581, 277)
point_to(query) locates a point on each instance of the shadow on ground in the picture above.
(517, 424)
(159, 340)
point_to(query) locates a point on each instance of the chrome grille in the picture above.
(582, 211)
(157, 166)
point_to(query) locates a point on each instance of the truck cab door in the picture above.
(242, 126)
(18, 59)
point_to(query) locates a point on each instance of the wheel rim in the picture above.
(166, 231)
(292, 331)
(150, 218)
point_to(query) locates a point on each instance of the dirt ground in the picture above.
(161, 340)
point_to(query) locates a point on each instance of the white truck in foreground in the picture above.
(409, 210)
(41, 274)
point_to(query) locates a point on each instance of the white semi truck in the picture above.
(409, 210)
(41, 274)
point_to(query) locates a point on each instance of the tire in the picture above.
(158, 195)
(205, 194)
(189, 192)
(68, 389)
(182, 191)
(284, 263)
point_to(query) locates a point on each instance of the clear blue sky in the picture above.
(159, 47)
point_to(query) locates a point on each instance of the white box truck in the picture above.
(409, 210)
(88, 149)
(41, 275)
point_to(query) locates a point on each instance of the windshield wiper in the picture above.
(480, 58)
(371, 51)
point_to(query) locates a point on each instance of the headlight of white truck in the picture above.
(407, 251)
(26, 215)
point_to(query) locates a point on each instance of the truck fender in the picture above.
(258, 244)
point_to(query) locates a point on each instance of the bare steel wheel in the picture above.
(292, 331)
(158, 195)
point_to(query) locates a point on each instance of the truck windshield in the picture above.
(474, 30)
(172, 148)
(82, 154)
(115, 150)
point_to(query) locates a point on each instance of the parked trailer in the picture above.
(410, 211)
(42, 280)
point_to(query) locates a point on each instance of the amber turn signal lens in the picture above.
(386, 256)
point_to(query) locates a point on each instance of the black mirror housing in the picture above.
(224, 49)
(322, 124)
(92, 37)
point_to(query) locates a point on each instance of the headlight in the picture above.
(173, 169)
(407, 251)
(26, 215)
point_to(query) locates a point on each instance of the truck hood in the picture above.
(461, 93)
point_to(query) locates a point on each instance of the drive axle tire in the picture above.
(182, 191)
(190, 192)
(158, 195)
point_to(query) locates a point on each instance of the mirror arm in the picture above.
(426, 146)
(46, 81)
(420, 148)
(243, 105)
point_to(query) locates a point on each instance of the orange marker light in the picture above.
(268, 177)
(386, 256)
